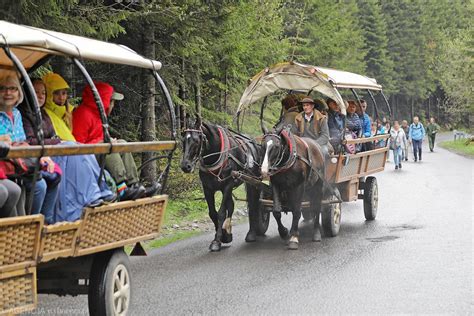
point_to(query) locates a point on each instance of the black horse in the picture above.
(296, 168)
(220, 152)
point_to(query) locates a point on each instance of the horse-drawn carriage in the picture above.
(85, 256)
(228, 158)
(343, 175)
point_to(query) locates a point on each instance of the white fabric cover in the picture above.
(31, 44)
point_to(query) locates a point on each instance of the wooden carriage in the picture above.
(349, 174)
(86, 256)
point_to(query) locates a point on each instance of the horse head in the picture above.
(193, 142)
(272, 149)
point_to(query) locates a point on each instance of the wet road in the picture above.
(416, 257)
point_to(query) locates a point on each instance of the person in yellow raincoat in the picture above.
(57, 106)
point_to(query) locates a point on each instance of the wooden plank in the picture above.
(125, 204)
(62, 226)
(17, 266)
(57, 228)
(117, 244)
(83, 149)
(367, 139)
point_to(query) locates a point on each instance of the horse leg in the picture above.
(221, 216)
(316, 200)
(294, 202)
(276, 199)
(253, 196)
(227, 224)
(282, 230)
(211, 205)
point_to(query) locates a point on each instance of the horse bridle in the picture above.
(280, 151)
(202, 141)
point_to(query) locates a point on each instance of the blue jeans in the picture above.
(417, 148)
(397, 155)
(44, 199)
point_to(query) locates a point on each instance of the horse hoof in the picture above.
(317, 237)
(292, 245)
(251, 237)
(226, 238)
(283, 232)
(215, 246)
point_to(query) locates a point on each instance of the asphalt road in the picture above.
(416, 257)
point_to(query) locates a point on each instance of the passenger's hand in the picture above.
(49, 163)
(6, 139)
(68, 119)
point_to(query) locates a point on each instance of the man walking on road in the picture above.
(431, 129)
(416, 135)
(406, 130)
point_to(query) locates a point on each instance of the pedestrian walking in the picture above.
(416, 135)
(397, 142)
(431, 129)
(406, 130)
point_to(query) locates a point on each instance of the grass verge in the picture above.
(187, 217)
(460, 147)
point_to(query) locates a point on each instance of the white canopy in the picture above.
(31, 44)
(300, 77)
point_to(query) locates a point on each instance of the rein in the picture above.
(293, 156)
(217, 168)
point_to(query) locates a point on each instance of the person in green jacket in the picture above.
(431, 129)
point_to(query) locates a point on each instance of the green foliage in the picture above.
(460, 147)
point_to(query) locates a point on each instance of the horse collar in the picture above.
(216, 168)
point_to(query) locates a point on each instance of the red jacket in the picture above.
(86, 122)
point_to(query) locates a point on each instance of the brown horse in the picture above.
(296, 167)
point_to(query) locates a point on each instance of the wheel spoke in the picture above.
(117, 283)
(123, 277)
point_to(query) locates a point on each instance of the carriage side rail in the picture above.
(83, 149)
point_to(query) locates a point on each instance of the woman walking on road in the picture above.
(397, 142)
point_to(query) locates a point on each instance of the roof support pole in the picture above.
(33, 100)
(103, 117)
(169, 103)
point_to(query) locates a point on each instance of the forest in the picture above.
(420, 51)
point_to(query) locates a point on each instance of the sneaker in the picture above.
(396, 167)
(110, 198)
(406, 159)
(95, 203)
(415, 160)
(153, 189)
(132, 193)
(400, 166)
(140, 191)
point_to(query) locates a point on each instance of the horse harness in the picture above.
(225, 154)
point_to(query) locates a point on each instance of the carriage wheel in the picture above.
(371, 198)
(331, 218)
(263, 220)
(110, 284)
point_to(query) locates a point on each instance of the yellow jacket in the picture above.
(56, 112)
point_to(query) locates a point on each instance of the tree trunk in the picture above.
(180, 116)
(148, 172)
(197, 92)
(226, 92)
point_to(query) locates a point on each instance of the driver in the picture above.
(311, 123)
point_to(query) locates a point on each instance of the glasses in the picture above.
(10, 89)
